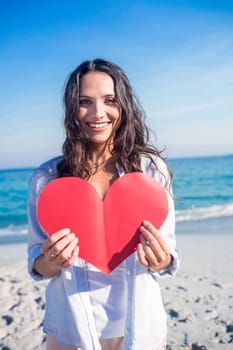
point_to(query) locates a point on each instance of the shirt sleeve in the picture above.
(36, 236)
(167, 230)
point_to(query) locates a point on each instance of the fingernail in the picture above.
(146, 223)
(66, 231)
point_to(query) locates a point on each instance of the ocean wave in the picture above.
(13, 230)
(201, 213)
(196, 213)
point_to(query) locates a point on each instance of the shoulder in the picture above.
(50, 166)
(157, 168)
(42, 175)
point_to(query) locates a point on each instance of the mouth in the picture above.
(98, 125)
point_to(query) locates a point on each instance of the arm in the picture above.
(59, 251)
(153, 251)
(46, 255)
(158, 249)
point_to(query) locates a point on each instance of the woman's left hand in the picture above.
(153, 251)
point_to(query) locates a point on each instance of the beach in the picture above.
(198, 300)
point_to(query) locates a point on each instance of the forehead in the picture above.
(96, 81)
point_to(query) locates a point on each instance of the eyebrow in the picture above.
(107, 95)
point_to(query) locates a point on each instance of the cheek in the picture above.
(116, 115)
(118, 118)
(81, 114)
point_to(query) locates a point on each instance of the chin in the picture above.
(100, 141)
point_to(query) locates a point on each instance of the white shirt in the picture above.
(69, 315)
(105, 292)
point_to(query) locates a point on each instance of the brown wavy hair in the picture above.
(131, 139)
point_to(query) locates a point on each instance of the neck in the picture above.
(99, 158)
(99, 155)
(99, 162)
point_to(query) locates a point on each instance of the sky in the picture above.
(178, 56)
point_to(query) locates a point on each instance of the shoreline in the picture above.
(198, 300)
(212, 225)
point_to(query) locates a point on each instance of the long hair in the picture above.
(131, 139)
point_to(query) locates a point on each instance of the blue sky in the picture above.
(178, 56)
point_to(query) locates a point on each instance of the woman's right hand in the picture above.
(59, 251)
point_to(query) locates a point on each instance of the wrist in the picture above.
(45, 268)
(163, 267)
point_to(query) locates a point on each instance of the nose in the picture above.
(98, 110)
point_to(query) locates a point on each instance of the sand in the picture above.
(199, 300)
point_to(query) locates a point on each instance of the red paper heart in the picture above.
(108, 231)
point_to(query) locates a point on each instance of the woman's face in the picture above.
(99, 113)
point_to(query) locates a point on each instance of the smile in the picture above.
(98, 125)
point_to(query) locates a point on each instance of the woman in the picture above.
(105, 138)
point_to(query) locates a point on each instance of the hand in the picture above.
(153, 251)
(61, 249)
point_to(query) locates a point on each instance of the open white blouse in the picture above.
(83, 305)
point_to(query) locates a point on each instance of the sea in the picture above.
(203, 192)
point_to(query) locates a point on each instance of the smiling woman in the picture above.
(106, 138)
(99, 111)
(129, 136)
(98, 117)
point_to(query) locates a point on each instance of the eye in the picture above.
(84, 101)
(110, 100)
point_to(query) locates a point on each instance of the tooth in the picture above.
(102, 125)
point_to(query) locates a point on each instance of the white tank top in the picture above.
(108, 294)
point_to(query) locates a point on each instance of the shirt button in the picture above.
(128, 272)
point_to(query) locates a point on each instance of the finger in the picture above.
(149, 227)
(141, 255)
(54, 238)
(152, 235)
(149, 231)
(149, 240)
(71, 261)
(153, 251)
(67, 252)
(163, 243)
(151, 257)
(59, 246)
